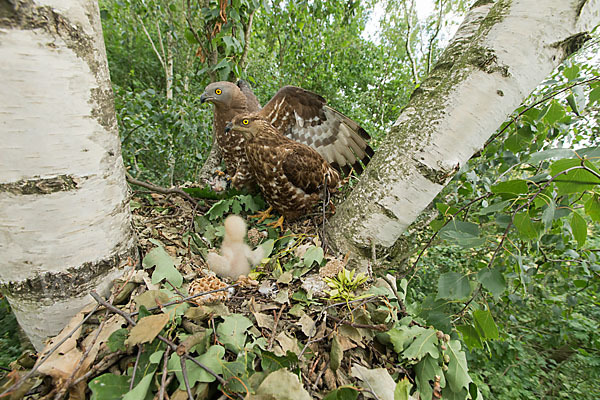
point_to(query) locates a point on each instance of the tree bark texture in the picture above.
(501, 52)
(65, 224)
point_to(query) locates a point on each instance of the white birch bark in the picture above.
(65, 224)
(501, 52)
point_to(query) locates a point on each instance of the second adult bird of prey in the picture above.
(299, 114)
(291, 175)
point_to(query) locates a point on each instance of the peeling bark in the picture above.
(65, 225)
(500, 53)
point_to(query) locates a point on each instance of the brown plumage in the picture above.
(298, 114)
(291, 175)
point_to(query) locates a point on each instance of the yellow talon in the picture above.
(219, 172)
(278, 224)
(262, 215)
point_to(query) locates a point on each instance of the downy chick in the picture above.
(236, 256)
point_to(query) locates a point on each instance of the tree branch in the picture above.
(244, 57)
(407, 16)
(160, 59)
(159, 189)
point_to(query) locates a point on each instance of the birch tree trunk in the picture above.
(65, 224)
(500, 53)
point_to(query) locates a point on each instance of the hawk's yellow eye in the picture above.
(218, 91)
(245, 122)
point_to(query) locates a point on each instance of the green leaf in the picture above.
(189, 36)
(426, 342)
(116, 341)
(313, 254)
(141, 389)
(525, 226)
(495, 207)
(213, 359)
(270, 362)
(575, 181)
(595, 95)
(402, 391)
(232, 332)
(342, 393)
(470, 336)
(516, 186)
(402, 336)
(492, 280)
(453, 286)
(592, 207)
(555, 113)
(458, 373)
(465, 234)
(219, 209)
(548, 215)
(573, 104)
(109, 387)
(267, 247)
(579, 229)
(165, 267)
(485, 324)
(426, 370)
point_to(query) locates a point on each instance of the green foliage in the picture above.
(165, 267)
(344, 285)
(10, 346)
(516, 257)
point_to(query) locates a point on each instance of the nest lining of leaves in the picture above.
(267, 337)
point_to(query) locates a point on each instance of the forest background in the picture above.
(543, 339)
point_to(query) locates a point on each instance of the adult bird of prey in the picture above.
(291, 175)
(298, 114)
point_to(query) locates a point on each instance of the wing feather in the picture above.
(306, 118)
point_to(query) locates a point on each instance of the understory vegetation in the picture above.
(498, 299)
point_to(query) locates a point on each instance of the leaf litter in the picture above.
(172, 329)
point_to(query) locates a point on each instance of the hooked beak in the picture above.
(228, 127)
(204, 98)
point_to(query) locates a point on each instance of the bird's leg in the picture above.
(262, 215)
(218, 172)
(278, 224)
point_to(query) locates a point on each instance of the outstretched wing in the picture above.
(306, 118)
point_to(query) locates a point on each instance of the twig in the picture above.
(430, 241)
(159, 189)
(244, 56)
(545, 98)
(101, 366)
(378, 327)
(185, 378)
(163, 380)
(135, 366)
(67, 384)
(186, 299)
(277, 317)
(18, 384)
(168, 342)
(324, 312)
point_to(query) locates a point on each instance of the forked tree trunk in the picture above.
(65, 224)
(501, 52)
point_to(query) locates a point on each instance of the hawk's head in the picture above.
(249, 125)
(221, 93)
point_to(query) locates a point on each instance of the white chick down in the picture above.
(235, 257)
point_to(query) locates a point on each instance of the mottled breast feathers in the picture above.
(291, 175)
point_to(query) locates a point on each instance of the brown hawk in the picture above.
(298, 114)
(291, 175)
